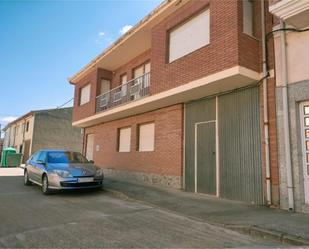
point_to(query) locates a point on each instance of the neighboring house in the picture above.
(43, 129)
(292, 92)
(179, 101)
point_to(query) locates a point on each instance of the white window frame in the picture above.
(183, 34)
(248, 14)
(86, 99)
(124, 143)
(142, 140)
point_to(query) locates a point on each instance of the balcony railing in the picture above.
(130, 91)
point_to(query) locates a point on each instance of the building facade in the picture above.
(44, 129)
(183, 100)
(292, 91)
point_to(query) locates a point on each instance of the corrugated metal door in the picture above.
(200, 111)
(240, 146)
(205, 157)
(237, 170)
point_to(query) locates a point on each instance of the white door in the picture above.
(89, 146)
(304, 119)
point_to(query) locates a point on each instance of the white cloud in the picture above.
(125, 29)
(8, 119)
(101, 34)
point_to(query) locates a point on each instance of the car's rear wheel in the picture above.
(45, 185)
(26, 178)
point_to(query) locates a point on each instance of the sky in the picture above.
(43, 43)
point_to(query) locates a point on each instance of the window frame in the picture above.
(80, 94)
(119, 137)
(253, 35)
(141, 65)
(138, 136)
(178, 25)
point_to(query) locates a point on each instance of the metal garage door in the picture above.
(240, 146)
(200, 120)
(231, 124)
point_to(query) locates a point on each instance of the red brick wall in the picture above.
(167, 157)
(92, 78)
(129, 67)
(228, 47)
(220, 54)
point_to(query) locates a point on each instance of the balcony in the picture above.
(125, 93)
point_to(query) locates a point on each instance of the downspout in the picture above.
(265, 107)
(284, 76)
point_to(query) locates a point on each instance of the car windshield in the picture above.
(65, 157)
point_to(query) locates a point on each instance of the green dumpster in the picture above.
(5, 153)
(13, 160)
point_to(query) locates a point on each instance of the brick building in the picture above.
(43, 129)
(183, 100)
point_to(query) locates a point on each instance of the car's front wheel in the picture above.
(45, 185)
(26, 178)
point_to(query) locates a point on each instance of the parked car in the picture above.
(61, 169)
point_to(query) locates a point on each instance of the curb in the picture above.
(258, 232)
(254, 231)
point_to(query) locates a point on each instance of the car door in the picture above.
(30, 165)
(39, 166)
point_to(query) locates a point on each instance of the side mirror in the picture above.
(91, 161)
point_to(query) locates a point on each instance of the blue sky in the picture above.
(42, 43)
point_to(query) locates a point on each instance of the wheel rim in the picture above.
(45, 184)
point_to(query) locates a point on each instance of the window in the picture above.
(124, 139)
(35, 156)
(42, 157)
(84, 95)
(27, 126)
(248, 17)
(141, 70)
(124, 80)
(105, 86)
(190, 36)
(146, 137)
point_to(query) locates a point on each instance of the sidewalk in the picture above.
(291, 228)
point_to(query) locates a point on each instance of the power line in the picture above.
(65, 103)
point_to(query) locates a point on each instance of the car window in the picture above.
(35, 156)
(42, 157)
(65, 157)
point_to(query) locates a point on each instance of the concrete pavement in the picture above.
(97, 219)
(259, 221)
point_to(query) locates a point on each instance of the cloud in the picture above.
(103, 39)
(125, 29)
(8, 119)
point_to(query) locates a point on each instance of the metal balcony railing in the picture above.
(130, 91)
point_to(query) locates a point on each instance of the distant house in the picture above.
(48, 129)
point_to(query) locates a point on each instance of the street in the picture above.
(92, 219)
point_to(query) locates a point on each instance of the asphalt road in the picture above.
(96, 219)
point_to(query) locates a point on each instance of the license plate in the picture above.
(85, 179)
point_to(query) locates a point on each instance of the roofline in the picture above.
(30, 114)
(121, 39)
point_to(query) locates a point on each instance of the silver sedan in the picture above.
(60, 169)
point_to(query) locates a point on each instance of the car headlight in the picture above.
(99, 172)
(63, 173)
